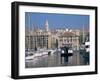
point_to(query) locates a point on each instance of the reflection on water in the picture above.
(54, 60)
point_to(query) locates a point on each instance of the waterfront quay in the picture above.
(44, 59)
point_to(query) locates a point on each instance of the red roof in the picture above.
(68, 34)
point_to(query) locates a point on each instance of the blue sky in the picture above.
(70, 21)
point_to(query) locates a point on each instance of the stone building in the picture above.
(37, 38)
(69, 39)
(46, 38)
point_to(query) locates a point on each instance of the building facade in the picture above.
(37, 38)
(69, 39)
(47, 39)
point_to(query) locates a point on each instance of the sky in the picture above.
(55, 20)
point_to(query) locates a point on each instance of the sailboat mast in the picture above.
(83, 35)
(29, 30)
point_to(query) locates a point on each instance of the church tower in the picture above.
(46, 26)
